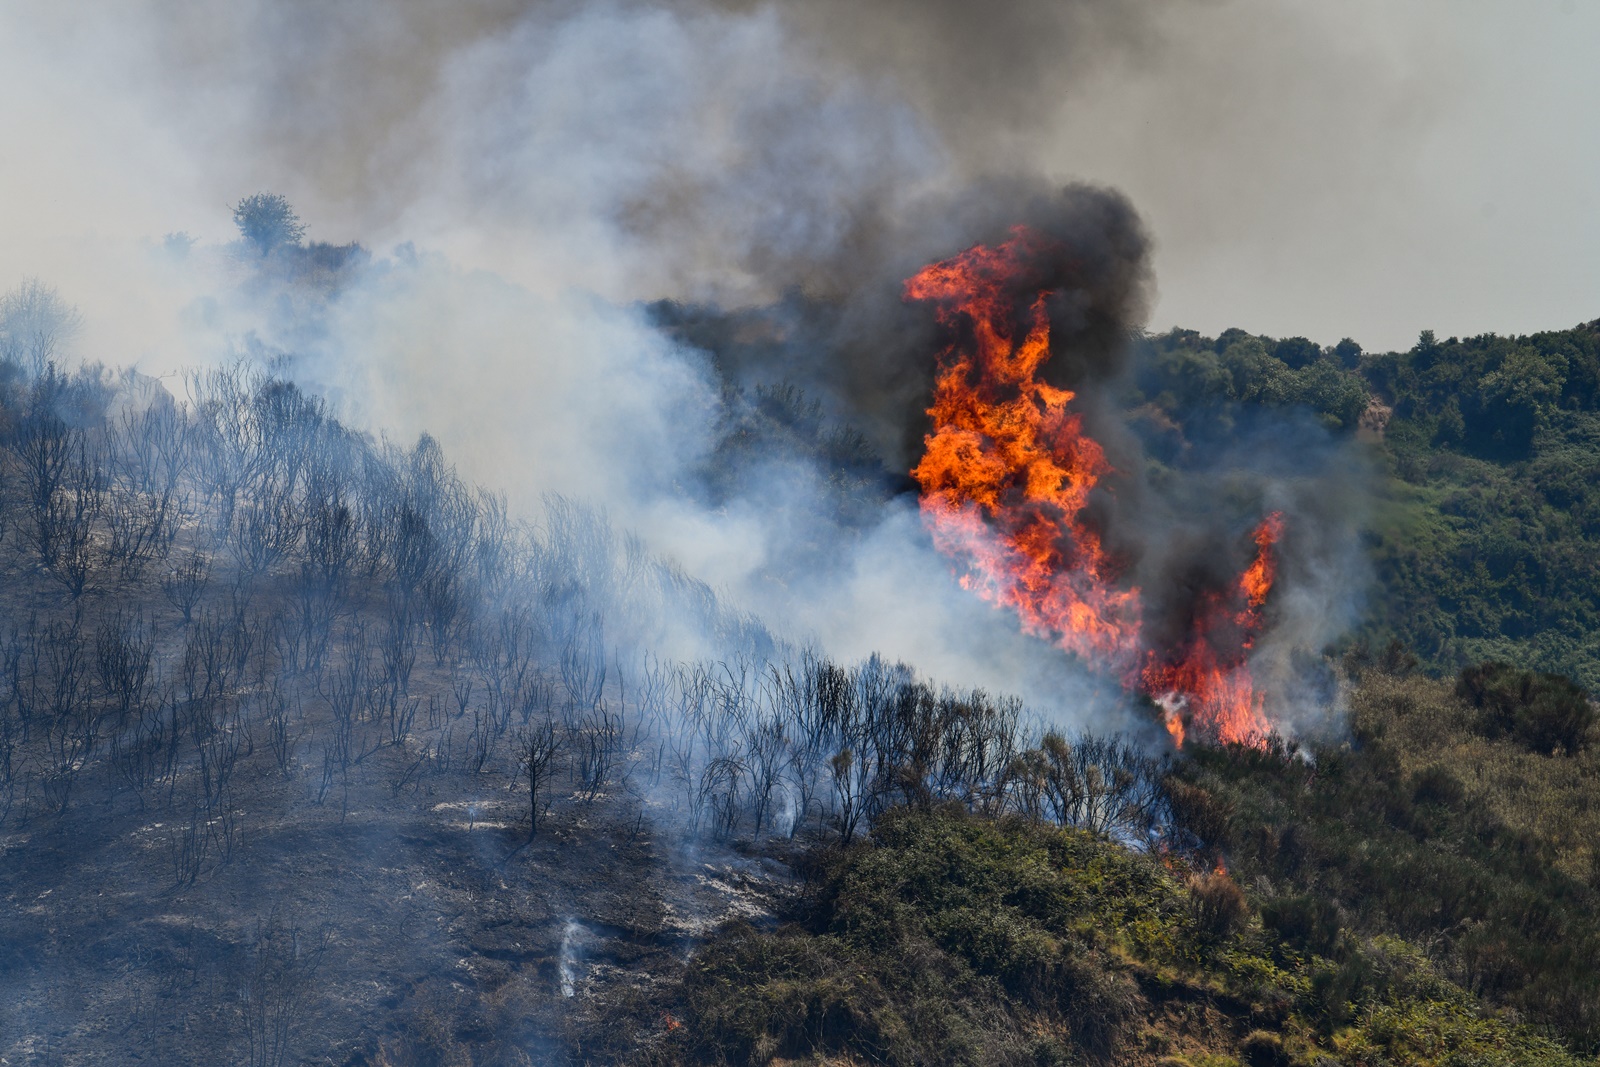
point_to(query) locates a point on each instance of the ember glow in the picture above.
(1006, 479)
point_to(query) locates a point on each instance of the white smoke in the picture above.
(550, 165)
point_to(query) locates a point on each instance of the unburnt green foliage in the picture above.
(1180, 372)
(1486, 534)
(951, 938)
(1546, 712)
(1427, 825)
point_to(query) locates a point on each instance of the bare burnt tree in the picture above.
(58, 683)
(186, 583)
(35, 325)
(74, 511)
(124, 658)
(46, 445)
(283, 733)
(265, 530)
(538, 745)
(480, 742)
(148, 454)
(851, 775)
(391, 687)
(766, 760)
(11, 734)
(507, 657)
(221, 738)
(137, 748)
(596, 743)
(274, 981)
(153, 444)
(330, 551)
(231, 452)
(721, 785)
(216, 652)
(493, 547)
(345, 688)
(141, 530)
(188, 843)
(583, 661)
(1103, 785)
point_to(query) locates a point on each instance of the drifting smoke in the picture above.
(776, 172)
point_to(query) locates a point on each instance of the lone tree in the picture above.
(267, 221)
(537, 748)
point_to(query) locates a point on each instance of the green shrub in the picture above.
(951, 939)
(1306, 921)
(1545, 712)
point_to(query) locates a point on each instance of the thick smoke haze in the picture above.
(552, 165)
(1361, 169)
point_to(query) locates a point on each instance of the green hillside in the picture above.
(1486, 534)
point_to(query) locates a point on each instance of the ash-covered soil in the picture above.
(354, 929)
(268, 694)
(310, 754)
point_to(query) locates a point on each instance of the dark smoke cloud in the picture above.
(988, 76)
(347, 107)
(1182, 534)
(775, 171)
(860, 345)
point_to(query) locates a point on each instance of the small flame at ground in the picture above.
(1006, 478)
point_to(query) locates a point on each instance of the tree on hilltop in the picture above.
(267, 221)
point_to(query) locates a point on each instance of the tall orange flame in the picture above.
(1006, 479)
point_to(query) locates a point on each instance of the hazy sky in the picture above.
(1363, 167)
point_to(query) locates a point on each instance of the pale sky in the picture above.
(1368, 169)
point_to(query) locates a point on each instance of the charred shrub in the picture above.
(1545, 712)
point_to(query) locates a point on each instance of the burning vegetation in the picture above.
(1007, 479)
(360, 746)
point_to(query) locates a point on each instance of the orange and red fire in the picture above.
(1006, 480)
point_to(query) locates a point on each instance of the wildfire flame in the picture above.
(1006, 478)
(1207, 676)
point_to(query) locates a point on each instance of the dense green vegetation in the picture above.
(1435, 823)
(1486, 538)
(951, 938)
